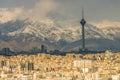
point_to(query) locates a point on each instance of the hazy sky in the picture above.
(95, 10)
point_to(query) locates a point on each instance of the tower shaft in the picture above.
(83, 37)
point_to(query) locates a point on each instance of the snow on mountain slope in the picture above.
(48, 29)
(108, 28)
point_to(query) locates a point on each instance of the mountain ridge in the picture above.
(56, 31)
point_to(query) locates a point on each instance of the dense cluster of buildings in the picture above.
(100, 66)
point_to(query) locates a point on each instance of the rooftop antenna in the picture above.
(83, 22)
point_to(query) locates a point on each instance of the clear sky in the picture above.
(95, 10)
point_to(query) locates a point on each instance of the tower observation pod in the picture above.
(83, 22)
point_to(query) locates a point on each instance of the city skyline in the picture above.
(59, 40)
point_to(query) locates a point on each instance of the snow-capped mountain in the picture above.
(48, 29)
(54, 30)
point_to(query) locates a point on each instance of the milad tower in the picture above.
(83, 22)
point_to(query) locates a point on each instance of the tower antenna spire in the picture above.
(82, 13)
